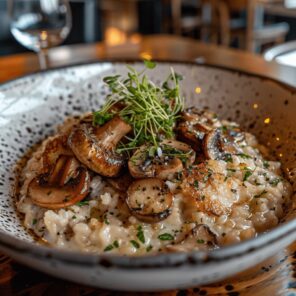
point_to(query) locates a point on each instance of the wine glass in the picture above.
(40, 24)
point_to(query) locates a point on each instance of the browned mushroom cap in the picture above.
(194, 125)
(149, 200)
(170, 159)
(95, 146)
(67, 184)
(199, 238)
(218, 146)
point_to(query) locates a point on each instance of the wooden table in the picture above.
(160, 47)
(276, 276)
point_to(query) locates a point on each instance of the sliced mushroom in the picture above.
(199, 238)
(66, 185)
(149, 200)
(54, 148)
(165, 164)
(194, 125)
(194, 115)
(217, 146)
(192, 134)
(95, 146)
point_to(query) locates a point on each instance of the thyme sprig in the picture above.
(150, 109)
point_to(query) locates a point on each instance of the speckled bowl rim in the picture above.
(198, 258)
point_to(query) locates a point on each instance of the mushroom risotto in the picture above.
(145, 175)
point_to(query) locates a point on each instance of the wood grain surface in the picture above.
(276, 276)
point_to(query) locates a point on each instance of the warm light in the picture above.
(267, 120)
(114, 36)
(135, 38)
(198, 90)
(255, 106)
(280, 154)
(146, 56)
(43, 35)
(277, 138)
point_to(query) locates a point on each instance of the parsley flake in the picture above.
(165, 236)
(140, 234)
(135, 244)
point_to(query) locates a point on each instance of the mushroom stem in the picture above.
(112, 132)
(95, 146)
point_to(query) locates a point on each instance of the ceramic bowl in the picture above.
(30, 109)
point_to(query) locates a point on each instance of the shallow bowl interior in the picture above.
(31, 108)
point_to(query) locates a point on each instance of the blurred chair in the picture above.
(201, 18)
(249, 28)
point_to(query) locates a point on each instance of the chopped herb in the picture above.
(82, 203)
(116, 244)
(165, 236)
(266, 164)
(227, 157)
(200, 241)
(74, 217)
(243, 155)
(106, 221)
(203, 197)
(196, 185)
(275, 182)
(135, 244)
(140, 234)
(248, 173)
(231, 170)
(149, 248)
(233, 190)
(34, 221)
(260, 194)
(109, 248)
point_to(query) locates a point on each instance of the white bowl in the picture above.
(32, 106)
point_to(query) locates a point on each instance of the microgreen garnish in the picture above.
(165, 236)
(149, 64)
(150, 109)
(34, 221)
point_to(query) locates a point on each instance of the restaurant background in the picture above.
(253, 25)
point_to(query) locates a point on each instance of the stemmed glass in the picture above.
(40, 24)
